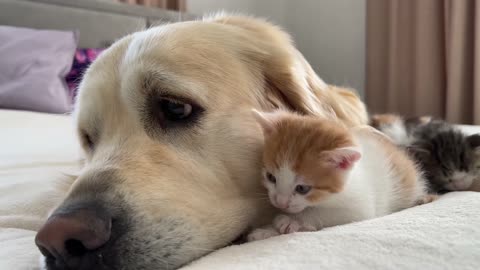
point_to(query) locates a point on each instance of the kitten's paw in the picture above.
(285, 224)
(261, 234)
(308, 228)
(427, 199)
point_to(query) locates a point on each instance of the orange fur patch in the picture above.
(378, 120)
(425, 119)
(299, 141)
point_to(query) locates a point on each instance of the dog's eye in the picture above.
(87, 140)
(170, 112)
(174, 110)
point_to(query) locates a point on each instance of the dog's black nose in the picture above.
(69, 238)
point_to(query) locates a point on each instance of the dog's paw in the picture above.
(261, 234)
(285, 224)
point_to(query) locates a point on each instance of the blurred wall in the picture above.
(272, 9)
(330, 33)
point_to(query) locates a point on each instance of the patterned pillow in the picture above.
(82, 59)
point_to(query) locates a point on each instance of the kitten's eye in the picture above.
(463, 164)
(302, 189)
(271, 178)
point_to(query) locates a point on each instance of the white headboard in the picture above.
(100, 23)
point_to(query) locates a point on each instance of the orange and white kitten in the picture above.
(323, 174)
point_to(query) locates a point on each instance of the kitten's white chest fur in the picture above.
(398, 133)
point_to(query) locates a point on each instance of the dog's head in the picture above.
(173, 154)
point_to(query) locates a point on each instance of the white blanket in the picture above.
(37, 149)
(442, 235)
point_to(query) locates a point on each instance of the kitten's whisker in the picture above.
(266, 198)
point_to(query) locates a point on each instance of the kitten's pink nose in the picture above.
(282, 201)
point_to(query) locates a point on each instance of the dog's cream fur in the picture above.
(203, 179)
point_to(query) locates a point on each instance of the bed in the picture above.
(39, 151)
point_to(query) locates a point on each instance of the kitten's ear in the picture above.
(267, 120)
(419, 152)
(342, 158)
(414, 150)
(474, 142)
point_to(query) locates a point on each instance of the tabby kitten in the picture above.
(450, 159)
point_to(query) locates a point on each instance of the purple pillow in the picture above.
(83, 58)
(33, 66)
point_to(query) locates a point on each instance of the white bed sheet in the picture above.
(37, 149)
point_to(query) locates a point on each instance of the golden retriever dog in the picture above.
(172, 151)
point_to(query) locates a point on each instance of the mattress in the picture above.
(38, 152)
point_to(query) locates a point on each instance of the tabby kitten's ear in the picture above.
(474, 142)
(418, 152)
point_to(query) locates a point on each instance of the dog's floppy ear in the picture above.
(295, 79)
(289, 79)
